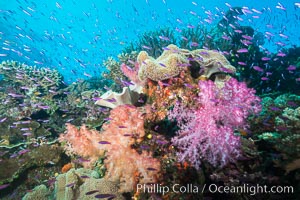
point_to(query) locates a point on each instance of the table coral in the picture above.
(31, 76)
(124, 164)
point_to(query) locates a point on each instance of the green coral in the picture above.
(76, 183)
(269, 136)
(40, 192)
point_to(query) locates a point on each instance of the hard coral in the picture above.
(72, 185)
(207, 131)
(123, 163)
(31, 76)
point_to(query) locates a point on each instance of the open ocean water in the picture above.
(149, 99)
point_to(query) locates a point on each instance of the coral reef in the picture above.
(207, 131)
(124, 164)
(169, 110)
(194, 38)
(83, 142)
(182, 81)
(28, 89)
(213, 62)
(276, 134)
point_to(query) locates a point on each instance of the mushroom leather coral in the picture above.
(123, 164)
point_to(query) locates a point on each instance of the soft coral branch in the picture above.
(124, 164)
(207, 131)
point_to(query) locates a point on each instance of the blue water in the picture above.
(76, 36)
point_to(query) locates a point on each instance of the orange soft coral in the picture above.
(82, 142)
(124, 164)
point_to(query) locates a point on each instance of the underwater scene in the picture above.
(149, 99)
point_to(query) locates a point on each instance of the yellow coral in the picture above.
(164, 67)
(212, 62)
(174, 60)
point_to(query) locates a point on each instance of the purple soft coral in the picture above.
(207, 131)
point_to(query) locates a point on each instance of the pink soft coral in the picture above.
(124, 164)
(207, 131)
(132, 73)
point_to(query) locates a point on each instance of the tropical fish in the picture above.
(4, 186)
(104, 142)
(151, 169)
(91, 192)
(70, 184)
(102, 196)
(244, 50)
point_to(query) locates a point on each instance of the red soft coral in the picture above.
(124, 164)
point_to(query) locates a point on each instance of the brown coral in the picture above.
(163, 94)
